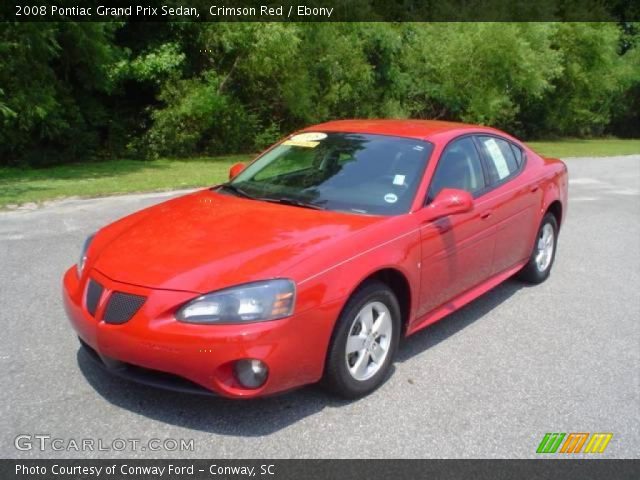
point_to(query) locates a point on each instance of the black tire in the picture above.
(337, 377)
(531, 272)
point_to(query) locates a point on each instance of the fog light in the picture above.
(250, 373)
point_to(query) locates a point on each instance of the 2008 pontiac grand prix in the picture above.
(315, 259)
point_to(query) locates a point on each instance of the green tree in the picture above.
(479, 72)
(593, 79)
(72, 91)
(52, 79)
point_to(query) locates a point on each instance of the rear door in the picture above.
(514, 199)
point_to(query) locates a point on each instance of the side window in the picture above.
(518, 154)
(502, 161)
(459, 167)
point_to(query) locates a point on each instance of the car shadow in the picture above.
(458, 320)
(247, 418)
(264, 416)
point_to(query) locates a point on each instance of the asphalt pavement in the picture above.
(487, 382)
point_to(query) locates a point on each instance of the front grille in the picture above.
(94, 292)
(121, 307)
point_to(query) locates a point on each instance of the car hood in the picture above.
(207, 240)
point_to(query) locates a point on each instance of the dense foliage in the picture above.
(73, 91)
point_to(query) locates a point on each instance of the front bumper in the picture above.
(152, 378)
(294, 348)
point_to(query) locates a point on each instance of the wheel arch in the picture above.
(398, 282)
(555, 208)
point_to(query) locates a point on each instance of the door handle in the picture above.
(485, 215)
(534, 189)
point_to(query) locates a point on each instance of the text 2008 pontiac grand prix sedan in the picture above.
(313, 261)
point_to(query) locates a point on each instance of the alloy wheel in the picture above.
(545, 246)
(369, 341)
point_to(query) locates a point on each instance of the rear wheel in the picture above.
(364, 342)
(538, 268)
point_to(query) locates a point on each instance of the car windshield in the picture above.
(353, 172)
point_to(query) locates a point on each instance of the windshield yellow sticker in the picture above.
(309, 136)
(300, 143)
(306, 140)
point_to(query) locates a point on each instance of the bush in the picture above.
(72, 91)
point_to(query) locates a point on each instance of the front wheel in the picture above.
(538, 268)
(364, 342)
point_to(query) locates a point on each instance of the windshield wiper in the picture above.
(282, 200)
(237, 190)
(293, 202)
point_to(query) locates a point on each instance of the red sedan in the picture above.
(313, 261)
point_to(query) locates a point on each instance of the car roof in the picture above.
(419, 129)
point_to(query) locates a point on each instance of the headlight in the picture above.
(252, 302)
(83, 254)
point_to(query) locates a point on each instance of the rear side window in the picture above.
(518, 154)
(502, 161)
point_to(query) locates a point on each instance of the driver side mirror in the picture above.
(235, 170)
(450, 201)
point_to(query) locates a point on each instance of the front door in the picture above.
(457, 250)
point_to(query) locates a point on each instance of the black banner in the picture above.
(319, 469)
(321, 10)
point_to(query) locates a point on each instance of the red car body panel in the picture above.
(215, 244)
(205, 241)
